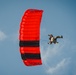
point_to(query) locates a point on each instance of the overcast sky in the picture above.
(59, 18)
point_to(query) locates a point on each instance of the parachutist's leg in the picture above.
(50, 43)
(59, 36)
(56, 42)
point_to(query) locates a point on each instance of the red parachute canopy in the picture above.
(30, 37)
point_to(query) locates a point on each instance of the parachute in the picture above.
(29, 37)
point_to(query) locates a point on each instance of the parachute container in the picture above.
(30, 37)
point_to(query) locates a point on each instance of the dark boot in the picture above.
(61, 36)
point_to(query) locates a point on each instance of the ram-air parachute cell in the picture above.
(30, 37)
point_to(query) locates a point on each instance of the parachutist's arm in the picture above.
(48, 35)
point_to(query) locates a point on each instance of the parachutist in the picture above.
(54, 39)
